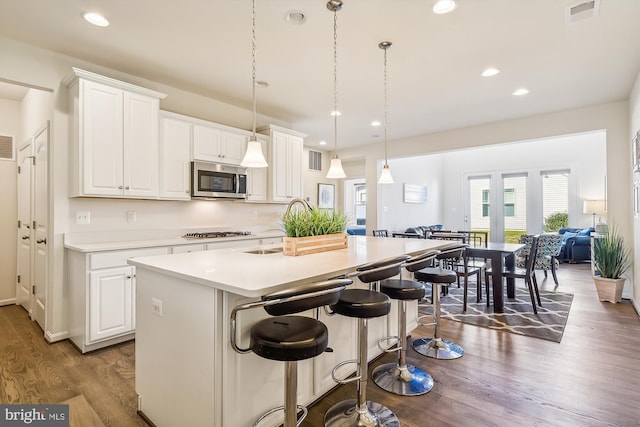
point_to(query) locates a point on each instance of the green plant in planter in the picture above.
(313, 222)
(611, 257)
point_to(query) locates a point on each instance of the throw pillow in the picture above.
(568, 234)
(584, 232)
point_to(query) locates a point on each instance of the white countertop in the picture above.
(98, 244)
(236, 271)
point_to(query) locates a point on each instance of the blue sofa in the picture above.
(576, 244)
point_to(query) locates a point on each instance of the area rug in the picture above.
(518, 317)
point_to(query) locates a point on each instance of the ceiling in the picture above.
(434, 66)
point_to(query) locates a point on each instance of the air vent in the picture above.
(315, 160)
(582, 11)
(6, 147)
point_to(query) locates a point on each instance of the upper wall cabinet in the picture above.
(214, 144)
(175, 157)
(114, 137)
(285, 163)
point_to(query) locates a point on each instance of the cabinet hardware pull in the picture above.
(126, 188)
(120, 187)
(42, 241)
(25, 237)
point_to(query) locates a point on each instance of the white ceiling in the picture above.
(434, 65)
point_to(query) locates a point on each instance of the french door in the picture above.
(497, 203)
(508, 204)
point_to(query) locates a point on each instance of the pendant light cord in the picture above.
(385, 107)
(253, 65)
(335, 79)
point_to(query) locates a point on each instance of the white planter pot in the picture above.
(609, 289)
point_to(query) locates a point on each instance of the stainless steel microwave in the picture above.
(218, 181)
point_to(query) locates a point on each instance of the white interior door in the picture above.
(25, 235)
(41, 223)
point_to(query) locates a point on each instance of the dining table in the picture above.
(502, 255)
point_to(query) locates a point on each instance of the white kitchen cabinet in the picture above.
(285, 163)
(102, 290)
(114, 137)
(183, 249)
(111, 295)
(218, 145)
(257, 178)
(175, 157)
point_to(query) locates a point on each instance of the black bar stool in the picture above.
(439, 277)
(364, 304)
(290, 338)
(400, 378)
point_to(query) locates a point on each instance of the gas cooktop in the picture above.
(215, 234)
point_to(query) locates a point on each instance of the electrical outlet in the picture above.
(156, 306)
(131, 216)
(83, 217)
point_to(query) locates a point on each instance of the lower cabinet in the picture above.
(111, 296)
(102, 291)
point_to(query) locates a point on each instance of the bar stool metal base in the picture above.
(345, 414)
(438, 348)
(410, 381)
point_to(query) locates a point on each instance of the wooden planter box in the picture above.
(294, 246)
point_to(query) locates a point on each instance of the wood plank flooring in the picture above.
(591, 378)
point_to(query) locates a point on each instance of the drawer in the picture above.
(119, 258)
(271, 241)
(187, 248)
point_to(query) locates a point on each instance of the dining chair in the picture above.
(549, 246)
(527, 273)
(380, 233)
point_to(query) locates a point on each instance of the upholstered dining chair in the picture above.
(549, 246)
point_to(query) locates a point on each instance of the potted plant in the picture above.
(611, 258)
(313, 230)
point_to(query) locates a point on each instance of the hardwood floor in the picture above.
(591, 378)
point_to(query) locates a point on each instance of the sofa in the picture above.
(576, 244)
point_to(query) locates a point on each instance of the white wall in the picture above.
(393, 213)
(10, 126)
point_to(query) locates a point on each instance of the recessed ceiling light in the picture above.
(336, 113)
(489, 72)
(261, 84)
(444, 6)
(295, 17)
(323, 142)
(375, 123)
(521, 91)
(96, 19)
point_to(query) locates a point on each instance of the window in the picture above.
(485, 203)
(509, 202)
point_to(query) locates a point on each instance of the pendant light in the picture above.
(335, 170)
(253, 157)
(385, 175)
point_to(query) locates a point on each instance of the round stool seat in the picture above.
(402, 289)
(289, 338)
(436, 275)
(362, 303)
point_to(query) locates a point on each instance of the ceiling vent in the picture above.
(581, 11)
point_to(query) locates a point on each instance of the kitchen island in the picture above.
(186, 371)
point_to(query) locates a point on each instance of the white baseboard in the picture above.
(8, 301)
(59, 336)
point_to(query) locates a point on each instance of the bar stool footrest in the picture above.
(346, 380)
(390, 349)
(299, 408)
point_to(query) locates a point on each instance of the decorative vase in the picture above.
(609, 289)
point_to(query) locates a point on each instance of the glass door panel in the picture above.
(479, 205)
(514, 213)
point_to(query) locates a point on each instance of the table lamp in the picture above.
(594, 207)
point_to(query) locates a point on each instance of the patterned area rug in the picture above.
(518, 317)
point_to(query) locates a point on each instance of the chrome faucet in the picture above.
(305, 205)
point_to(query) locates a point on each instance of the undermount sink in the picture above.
(264, 251)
